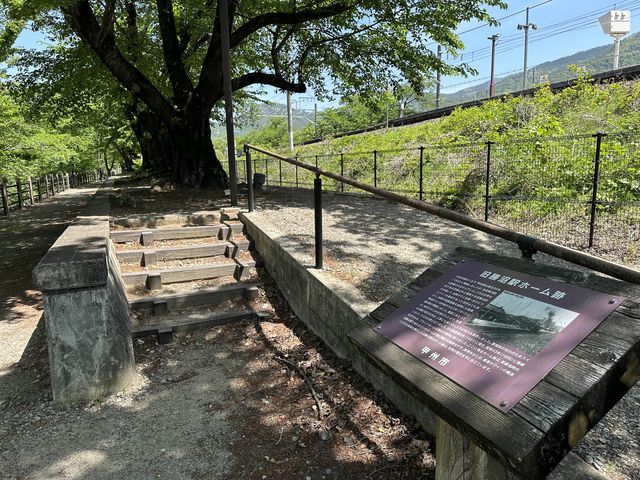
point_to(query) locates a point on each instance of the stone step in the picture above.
(206, 296)
(147, 236)
(154, 279)
(164, 329)
(150, 256)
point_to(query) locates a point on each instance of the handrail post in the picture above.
(342, 171)
(375, 168)
(317, 197)
(266, 170)
(296, 172)
(30, 191)
(421, 191)
(19, 190)
(487, 181)
(250, 199)
(280, 171)
(594, 191)
(5, 198)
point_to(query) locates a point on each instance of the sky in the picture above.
(564, 27)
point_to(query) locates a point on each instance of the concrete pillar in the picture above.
(86, 311)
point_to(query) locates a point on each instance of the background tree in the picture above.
(353, 45)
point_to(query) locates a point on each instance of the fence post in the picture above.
(487, 180)
(39, 187)
(280, 171)
(46, 185)
(420, 190)
(297, 159)
(5, 197)
(19, 190)
(342, 171)
(317, 196)
(266, 171)
(316, 161)
(250, 199)
(30, 190)
(594, 192)
(375, 168)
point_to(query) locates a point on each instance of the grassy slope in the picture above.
(583, 109)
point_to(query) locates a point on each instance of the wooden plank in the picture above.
(191, 324)
(192, 251)
(130, 256)
(186, 232)
(123, 236)
(135, 278)
(200, 272)
(383, 311)
(460, 459)
(505, 436)
(205, 296)
(154, 281)
(235, 247)
(147, 238)
(561, 408)
(178, 233)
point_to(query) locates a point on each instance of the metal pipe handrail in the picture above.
(528, 244)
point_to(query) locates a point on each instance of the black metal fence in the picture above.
(24, 192)
(579, 191)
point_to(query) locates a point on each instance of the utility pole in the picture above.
(290, 121)
(228, 105)
(438, 76)
(526, 27)
(494, 40)
(616, 52)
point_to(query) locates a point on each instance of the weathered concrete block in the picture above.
(328, 307)
(86, 310)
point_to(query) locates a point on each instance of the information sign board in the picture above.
(494, 331)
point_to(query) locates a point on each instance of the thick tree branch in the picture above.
(180, 81)
(263, 78)
(85, 24)
(286, 18)
(106, 26)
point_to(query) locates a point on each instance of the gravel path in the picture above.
(379, 246)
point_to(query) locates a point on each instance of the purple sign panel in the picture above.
(494, 331)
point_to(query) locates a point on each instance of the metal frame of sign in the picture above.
(494, 331)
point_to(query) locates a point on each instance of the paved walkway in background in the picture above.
(25, 237)
(379, 246)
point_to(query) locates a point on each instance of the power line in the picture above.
(509, 42)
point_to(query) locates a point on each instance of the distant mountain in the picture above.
(597, 59)
(265, 112)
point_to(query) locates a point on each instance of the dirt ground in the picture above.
(260, 400)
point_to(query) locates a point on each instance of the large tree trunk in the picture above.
(193, 158)
(182, 150)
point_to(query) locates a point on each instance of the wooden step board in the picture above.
(206, 296)
(149, 256)
(165, 330)
(154, 279)
(147, 236)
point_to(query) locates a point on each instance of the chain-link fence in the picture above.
(580, 191)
